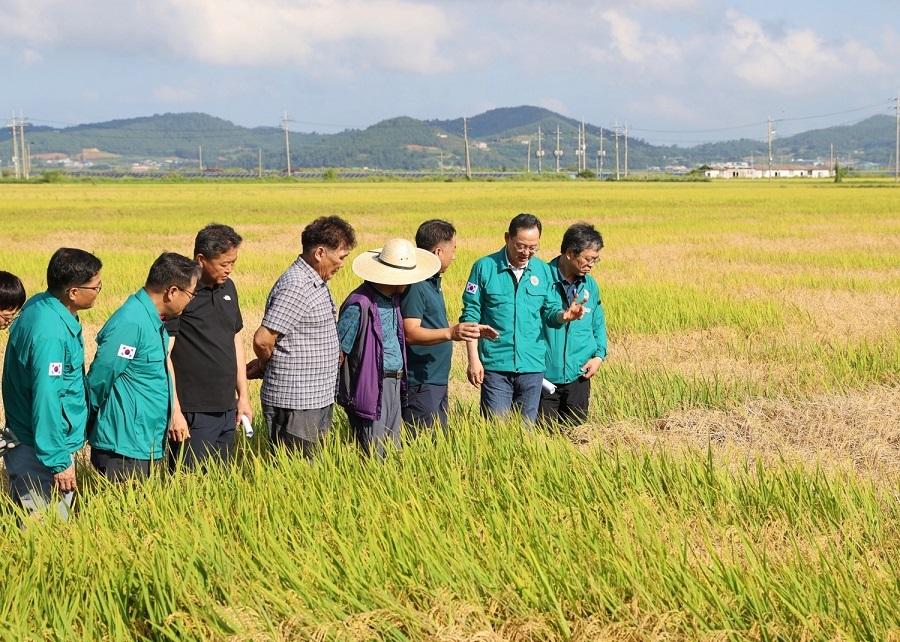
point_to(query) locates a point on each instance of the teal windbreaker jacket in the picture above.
(570, 347)
(129, 382)
(517, 311)
(44, 392)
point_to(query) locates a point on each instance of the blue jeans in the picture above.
(506, 392)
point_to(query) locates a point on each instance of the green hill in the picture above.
(498, 140)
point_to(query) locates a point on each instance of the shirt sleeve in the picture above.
(599, 320)
(238, 317)
(48, 359)
(472, 297)
(284, 310)
(172, 326)
(412, 304)
(552, 305)
(116, 348)
(348, 327)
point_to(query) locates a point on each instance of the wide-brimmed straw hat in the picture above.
(399, 262)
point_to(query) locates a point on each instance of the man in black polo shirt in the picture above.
(428, 333)
(208, 356)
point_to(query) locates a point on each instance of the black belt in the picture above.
(393, 374)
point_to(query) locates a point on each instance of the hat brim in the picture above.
(369, 267)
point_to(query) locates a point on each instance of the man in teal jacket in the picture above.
(576, 351)
(130, 383)
(511, 292)
(43, 384)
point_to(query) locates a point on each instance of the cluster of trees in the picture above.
(498, 140)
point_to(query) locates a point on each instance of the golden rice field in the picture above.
(738, 479)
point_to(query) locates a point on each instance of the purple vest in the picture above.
(361, 380)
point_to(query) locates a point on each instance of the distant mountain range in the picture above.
(498, 139)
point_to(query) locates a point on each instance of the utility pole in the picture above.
(582, 148)
(466, 136)
(24, 155)
(897, 150)
(616, 129)
(259, 151)
(15, 145)
(287, 141)
(600, 154)
(540, 152)
(557, 152)
(626, 149)
(201, 157)
(771, 131)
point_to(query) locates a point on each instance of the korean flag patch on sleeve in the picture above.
(471, 288)
(126, 352)
(55, 370)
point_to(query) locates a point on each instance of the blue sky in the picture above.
(677, 71)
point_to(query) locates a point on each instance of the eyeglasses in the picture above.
(7, 319)
(188, 292)
(95, 288)
(587, 261)
(531, 249)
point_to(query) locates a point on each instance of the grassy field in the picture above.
(738, 478)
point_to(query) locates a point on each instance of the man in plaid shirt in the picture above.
(297, 343)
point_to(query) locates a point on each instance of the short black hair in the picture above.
(524, 222)
(580, 237)
(172, 269)
(328, 231)
(433, 232)
(215, 239)
(12, 292)
(70, 267)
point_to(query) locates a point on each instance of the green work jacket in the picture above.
(129, 382)
(518, 311)
(44, 391)
(570, 347)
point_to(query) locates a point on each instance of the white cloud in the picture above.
(673, 107)
(553, 104)
(175, 95)
(793, 60)
(400, 35)
(633, 44)
(31, 56)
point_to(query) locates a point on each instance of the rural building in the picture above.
(742, 170)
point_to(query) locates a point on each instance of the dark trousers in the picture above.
(212, 435)
(299, 430)
(373, 435)
(118, 468)
(425, 406)
(569, 404)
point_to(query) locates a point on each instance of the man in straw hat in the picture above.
(373, 374)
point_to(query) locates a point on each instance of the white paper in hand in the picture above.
(248, 427)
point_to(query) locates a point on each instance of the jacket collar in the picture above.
(73, 325)
(502, 261)
(149, 307)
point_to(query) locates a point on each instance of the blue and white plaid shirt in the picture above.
(302, 371)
